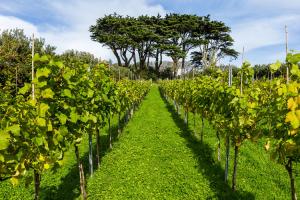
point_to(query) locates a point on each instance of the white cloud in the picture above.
(77, 16)
(10, 22)
(263, 32)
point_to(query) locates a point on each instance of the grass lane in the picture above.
(151, 161)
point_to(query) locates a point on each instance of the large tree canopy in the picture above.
(137, 40)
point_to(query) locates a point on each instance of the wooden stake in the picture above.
(32, 66)
(242, 71)
(286, 52)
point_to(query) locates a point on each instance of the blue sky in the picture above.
(258, 25)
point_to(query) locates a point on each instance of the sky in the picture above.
(256, 25)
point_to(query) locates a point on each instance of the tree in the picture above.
(111, 31)
(180, 29)
(214, 42)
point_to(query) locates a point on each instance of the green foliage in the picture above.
(174, 35)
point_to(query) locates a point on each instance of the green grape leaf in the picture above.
(275, 66)
(62, 118)
(44, 58)
(59, 64)
(43, 72)
(67, 93)
(63, 130)
(4, 140)
(49, 126)
(74, 116)
(25, 88)
(295, 70)
(2, 159)
(14, 129)
(293, 58)
(36, 57)
(47, 93)
(43, 109)
(41, 122)
(39, 141)
(90, 93)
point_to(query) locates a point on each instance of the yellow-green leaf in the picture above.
(43, 109)
(4, 140)
(47, 94)
(41, 122)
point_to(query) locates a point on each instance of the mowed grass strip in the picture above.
(152, 160)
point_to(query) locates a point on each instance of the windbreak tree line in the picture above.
(134, 41)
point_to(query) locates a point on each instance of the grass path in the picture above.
(151, 160)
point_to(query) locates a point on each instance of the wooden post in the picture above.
(228, 136)
(32, 66)
(286, 52)
(91, 153)
(242, 71)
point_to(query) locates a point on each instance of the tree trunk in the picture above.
(91, 153)
(175, 66)
(109, 133)
(289, 168)
(117, 56)
(81, 174)
(37, 183)
(183, 63)
(98, 147)
(227, 157)
(157, 61)
(160, 61)
(236, 154)
(134, 59)
(148, 60)
(183, 58)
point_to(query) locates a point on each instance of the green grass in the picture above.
(158, 157)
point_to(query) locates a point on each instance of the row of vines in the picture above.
(241, 108)
(52, 114)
